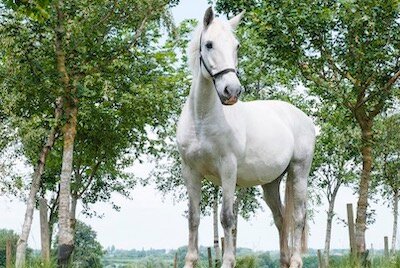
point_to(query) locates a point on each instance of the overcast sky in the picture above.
(148, 221)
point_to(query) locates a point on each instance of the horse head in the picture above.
(219, 56)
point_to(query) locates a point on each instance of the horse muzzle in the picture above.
(232, 100)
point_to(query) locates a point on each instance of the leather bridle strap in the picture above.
(214, 76)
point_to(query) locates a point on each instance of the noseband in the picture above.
(222, 72)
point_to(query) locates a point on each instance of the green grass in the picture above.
(249, 261)
(375, 262)
(36, 262)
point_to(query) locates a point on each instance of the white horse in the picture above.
(243, 144)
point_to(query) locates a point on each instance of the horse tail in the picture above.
(288, 218)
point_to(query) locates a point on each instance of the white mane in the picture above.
(193, 49)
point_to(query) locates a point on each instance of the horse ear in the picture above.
(208, 17)
(234, 22)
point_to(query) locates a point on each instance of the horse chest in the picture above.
(200, 150)
(203, 152)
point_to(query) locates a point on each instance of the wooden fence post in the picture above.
(350, 222)
(321, 263)
(386, 242)
(209, 257)
(44, 230)
(8, 254)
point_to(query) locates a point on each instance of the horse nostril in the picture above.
(226, 91)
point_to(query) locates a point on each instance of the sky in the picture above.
(151, 221)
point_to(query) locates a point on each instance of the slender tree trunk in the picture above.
(215, 225)
(362, 205)
(328, 233)
(66, 239)
(395, 216)
(30, 206)
(44, 231)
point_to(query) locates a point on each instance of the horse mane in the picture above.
(193, 49)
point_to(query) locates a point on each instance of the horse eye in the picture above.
(209, 45)
(238, 46)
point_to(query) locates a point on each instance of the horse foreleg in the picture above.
(228, 180)
(193, 184)
(297, 183)
(273, 199)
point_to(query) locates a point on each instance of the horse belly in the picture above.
(259, 173)
(266, 158)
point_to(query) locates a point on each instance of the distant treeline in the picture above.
(246, 257)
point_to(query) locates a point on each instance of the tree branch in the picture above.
(386, 88)
(91, 177)
(108, 15)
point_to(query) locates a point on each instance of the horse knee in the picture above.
(227, 219)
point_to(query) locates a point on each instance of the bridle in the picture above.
(222, 72)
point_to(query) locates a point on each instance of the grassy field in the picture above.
(254, 261)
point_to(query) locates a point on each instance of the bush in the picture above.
(246, 262)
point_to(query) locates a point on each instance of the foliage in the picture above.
(88, 251)
(328, 37)
(336, 155)
(123, 75)
(387, 174)
(345, 52)
(6, 235)
(36, 261)
(245, 258)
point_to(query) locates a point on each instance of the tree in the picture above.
(88, 51)
(387, 173)
(88, 251)
(334, 161)
(346, 53)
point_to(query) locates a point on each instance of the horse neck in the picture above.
(205, 102)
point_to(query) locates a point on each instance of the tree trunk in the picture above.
(215, 225)
(44, 231)
(395, 216)
(66, 239)
(328, 233)
(30, 206)
(362, 205)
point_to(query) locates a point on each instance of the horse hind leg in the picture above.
(296, 208)
(193, 184)
(273, 199)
